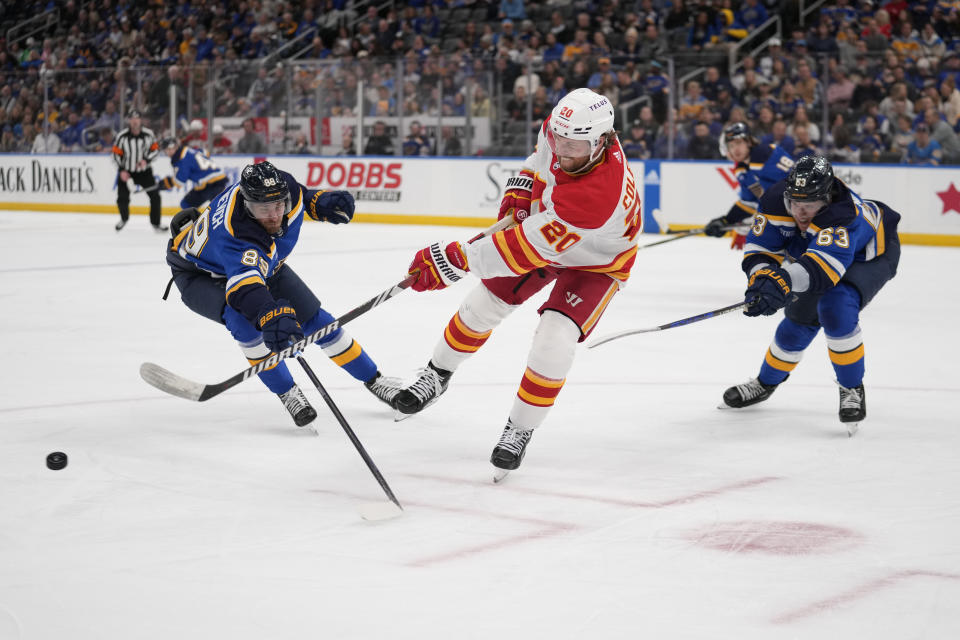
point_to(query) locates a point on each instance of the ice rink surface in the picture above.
(640, 511)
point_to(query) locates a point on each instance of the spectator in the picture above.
(379, 143)
(601, 75)
(703, 33)
(868, 90)
(109, 117)
(451, 142)
(347, 145)
(901, 134)
(840, 89)
(221, 143)
(46, 142)
(692, 101)
(512, 9)
(807, 86)
(778, 136)
(942, 133)
(844, 150)
(923, 150)
(301, 146)
(950, 101)
(251, 142)
(635, 143)
(804, 145)
(416, 143)
(650, 125)
(657, 85)
(870, 140)
(713, 84)
(652, 44)
(702, 145)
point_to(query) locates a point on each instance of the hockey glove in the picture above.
(739, 239)
(279, 325)
(331, 206)
(516, 199)
(183, 219)
(767, 292)
(438, 268)
(717, 227)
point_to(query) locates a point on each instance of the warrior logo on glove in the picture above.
(516, 199)
(438, 268)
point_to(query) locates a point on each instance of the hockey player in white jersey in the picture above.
(577, 213)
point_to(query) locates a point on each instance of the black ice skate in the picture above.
(386, 389)
(509, 452)
(298, 406)
(160, 228)
(121, 225)
(853, 407)
(430, 384)
(750, 392)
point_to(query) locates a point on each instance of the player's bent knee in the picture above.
(554, 343)
(482, 311)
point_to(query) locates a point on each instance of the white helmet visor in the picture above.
(567, 147)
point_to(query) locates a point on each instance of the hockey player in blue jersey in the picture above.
(228, 261)
(192, 165)
(758, 166)
(820, 250)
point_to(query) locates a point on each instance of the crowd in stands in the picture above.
(861, 81)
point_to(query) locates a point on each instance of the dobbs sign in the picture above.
(370, 180)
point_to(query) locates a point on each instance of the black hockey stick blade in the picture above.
(679, 235)
(670, 325)
(176, 385)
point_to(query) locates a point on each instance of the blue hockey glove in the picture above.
(768, 291)
(279, 325)
(331, 206)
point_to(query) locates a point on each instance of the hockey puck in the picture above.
(56, 461)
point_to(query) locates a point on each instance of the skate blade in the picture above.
(378, 511)
(499, 475)
(399, 416)
(852, 428)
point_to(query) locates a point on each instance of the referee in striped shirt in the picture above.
(133, 150)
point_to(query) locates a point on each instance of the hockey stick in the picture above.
(176, 385)
(173, 384)
(678, 235)
(372, 510)
(671, 325)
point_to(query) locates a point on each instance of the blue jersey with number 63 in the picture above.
(849, 229)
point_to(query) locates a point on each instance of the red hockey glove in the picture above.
(437, 267)
(516, 199)
(739, 239)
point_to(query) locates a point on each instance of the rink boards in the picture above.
(467, 191)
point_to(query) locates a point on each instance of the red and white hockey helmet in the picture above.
(578, 123)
